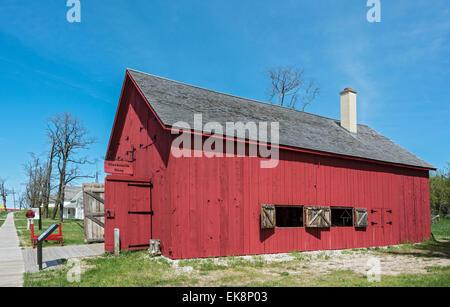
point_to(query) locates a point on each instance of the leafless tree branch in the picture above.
(35, 187)
(69, 136)
(288, 86)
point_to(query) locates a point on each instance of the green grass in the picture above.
(300, 256)
(128, 269)
(202, 265)
(441, 230)
(73, 232)
(429, 249)
(138, 269)
(3, 217)
(438, 277)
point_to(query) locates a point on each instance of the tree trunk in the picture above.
(45, 209)
(58, 201)
(61, 204)
(61, 212)
(47, 194)
(48, 179)
(61, 187)
(55, 210)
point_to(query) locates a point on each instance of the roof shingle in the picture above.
(174, 101)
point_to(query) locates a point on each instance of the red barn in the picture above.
(337, 184)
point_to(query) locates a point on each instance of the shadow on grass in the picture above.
(427, 249)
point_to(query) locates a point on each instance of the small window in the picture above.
(289, 216)
(318, 217)
(281, 216)
(361, 218)
(267, 216)
(342, 217)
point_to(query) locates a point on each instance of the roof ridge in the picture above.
(301, 129)
(235, 96)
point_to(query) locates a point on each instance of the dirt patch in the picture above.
(320, 262)
(389, 264)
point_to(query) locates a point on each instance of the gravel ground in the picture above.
(322, 262)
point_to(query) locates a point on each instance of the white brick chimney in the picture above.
(348, 110)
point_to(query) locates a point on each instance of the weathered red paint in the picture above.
(211, 206)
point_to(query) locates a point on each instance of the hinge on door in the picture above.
(141, 212)
(139, 185)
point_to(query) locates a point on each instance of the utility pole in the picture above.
(14, 197)
(96, 170)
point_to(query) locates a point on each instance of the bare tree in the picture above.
(289, 87)
(48, 172)
(3, 191)
(22, 201)
(70, 136)
(34, 190)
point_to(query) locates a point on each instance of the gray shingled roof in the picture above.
(174, 101)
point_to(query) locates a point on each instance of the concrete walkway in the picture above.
(53, 256)
(12, 265)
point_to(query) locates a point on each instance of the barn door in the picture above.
(376, 219)
(139, 215)
(387, 225)
(376, 222)
(94, 215)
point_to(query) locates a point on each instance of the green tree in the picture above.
(440, 191)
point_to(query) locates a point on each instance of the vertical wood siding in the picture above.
(223, 197)
(207, 207)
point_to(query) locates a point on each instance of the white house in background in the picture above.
(73, 203)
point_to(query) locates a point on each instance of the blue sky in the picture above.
(400, 66)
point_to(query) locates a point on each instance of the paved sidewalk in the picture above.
(12, 265)
(53, 256)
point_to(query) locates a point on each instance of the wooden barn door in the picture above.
(381, 221)
(387, 225)
(376, 222)
(139, 215)
(94, 212)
